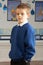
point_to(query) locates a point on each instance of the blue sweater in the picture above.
(22, 42)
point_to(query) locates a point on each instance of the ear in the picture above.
(28, 15)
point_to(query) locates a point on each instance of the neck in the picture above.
(22, 23)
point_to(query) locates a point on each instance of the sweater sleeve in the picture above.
(29, 44)
(11, 36)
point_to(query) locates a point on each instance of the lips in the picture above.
(19, 18)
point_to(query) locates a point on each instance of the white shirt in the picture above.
(23, 23)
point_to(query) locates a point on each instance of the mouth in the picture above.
(19, 19)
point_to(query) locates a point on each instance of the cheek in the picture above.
(16, 16)
(25, 17)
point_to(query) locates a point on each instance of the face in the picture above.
(21, 15)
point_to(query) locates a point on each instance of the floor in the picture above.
(32, 63)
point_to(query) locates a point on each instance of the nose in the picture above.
(19, 14)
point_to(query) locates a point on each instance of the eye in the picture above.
(17, 13)
(22, 13)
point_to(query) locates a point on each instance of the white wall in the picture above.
(4, 24)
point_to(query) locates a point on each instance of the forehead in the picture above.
(21, 10)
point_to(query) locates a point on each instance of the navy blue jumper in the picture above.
(22, 42)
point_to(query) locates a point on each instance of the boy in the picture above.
(22, 38)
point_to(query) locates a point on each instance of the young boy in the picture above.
(22, 38)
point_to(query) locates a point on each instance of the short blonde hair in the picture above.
(24, 6)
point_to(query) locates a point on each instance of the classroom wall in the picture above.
(6, 26)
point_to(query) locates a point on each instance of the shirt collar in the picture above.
(23, 23)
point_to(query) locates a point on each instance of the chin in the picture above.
(20, 21)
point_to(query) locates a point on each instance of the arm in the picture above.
(12, 36)
(29, 44)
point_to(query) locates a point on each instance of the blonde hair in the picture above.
(24, 6)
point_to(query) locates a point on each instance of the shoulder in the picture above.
(14, 27)
(29, 28)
